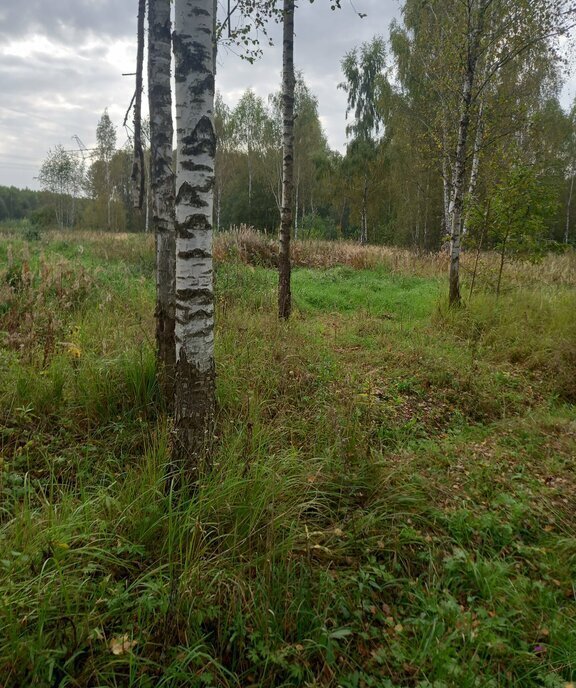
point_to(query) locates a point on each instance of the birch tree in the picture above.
(162, 183)
(288, 83)
(249, 126)
(223, 124)
(467, 53)
(364, 84)
(196, 143)
(62, 173)
(105, 148)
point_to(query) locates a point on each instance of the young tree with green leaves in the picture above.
(465, 56)
(62, 174)
(365, 84)
(517, 220)
(105, 149)
(249, 123)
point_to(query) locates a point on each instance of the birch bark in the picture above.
(457, 201)
(288, 84)
(475, 163)
(457, 204)
(162, 183)
(196, 147)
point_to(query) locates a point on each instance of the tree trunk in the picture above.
(147, 204)
(138, 161)
(162, 183)
(568, 211)
(475, 162)
(196, 147)
(297, 200)
(426, 211)
(457, 198)
(288, 84)
(457, 201)
(447, 195)
(109, 198)
(250, 183)
(461, 148)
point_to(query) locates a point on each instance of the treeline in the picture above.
(249, 166)
(82, 189)
(428, 159)
(17, 204)
(394, 184)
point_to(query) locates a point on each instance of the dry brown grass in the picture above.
(254, 248)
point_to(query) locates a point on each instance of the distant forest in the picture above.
(17, 204)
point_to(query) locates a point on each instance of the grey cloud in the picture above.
(47, 99)
(68, 20)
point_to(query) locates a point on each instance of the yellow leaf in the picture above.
(122, 644)
(74, 350)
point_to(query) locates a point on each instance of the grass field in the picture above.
(393, 500)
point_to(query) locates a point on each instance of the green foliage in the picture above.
(520, 209)
(17, 204)
(62, 174)
(314, 226)
(364, 85)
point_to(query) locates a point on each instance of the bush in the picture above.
(43, 217)
(315, 227)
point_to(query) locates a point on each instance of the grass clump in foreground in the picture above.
(392, 502)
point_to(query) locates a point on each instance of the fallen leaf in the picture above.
(122, 644)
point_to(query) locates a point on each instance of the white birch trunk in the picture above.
(162, 186)
(297, 201)
(457, 208)
(474, 173)
(457, 202)
(196, 148)
(447, 190)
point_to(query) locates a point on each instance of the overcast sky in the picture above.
(61, 64)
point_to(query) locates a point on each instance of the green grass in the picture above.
(391, 505)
